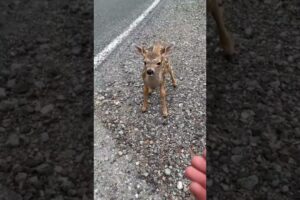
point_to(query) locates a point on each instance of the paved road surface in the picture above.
(141, 155)
(112, 17)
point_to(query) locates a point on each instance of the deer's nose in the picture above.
(150, 72)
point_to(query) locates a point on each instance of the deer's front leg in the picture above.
(145, 102)
(163, 100)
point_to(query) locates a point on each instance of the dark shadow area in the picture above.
(253, 109)
(46, 100)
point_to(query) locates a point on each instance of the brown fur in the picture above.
(156, 60)
(216, 9)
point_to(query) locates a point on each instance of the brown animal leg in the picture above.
(145, 102)
(171, 72)
(163, 100)
(216, 8)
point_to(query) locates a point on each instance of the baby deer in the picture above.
(156, 65)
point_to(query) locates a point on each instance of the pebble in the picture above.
(44, 137)
(167, 171)
(179, 185)
(290, 59)
(76, 50)
(20, 177)
(13, 140)
(58, 169)
(33, 180)
(285, 188)
(146, 174)
(248, 31)
(11, 83)
(46, 109)
(44, 169)
(248, 182)
(2, 92)
(236, 158)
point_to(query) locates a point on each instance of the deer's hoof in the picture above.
(144, 109)
(165, 114)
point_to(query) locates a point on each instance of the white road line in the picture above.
(100, 57)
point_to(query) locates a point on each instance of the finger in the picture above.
(199, 163)
(204, 154)
(195, 175)
(198, 191)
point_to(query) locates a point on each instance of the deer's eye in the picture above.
(145, 63)
(159, 63)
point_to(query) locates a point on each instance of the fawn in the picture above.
(216, 9)
(156, 65)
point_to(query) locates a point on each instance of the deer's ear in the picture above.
(166, 50)
(141, 50)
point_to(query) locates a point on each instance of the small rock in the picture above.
(248, 31)
(46, 109)
(13, 140)
(58, 169)
(22, 87)
(66, 183)
(290, 59)
(44, 137)
(278, 47)
(79, 157)
(275, 182)
(2, 93)
(146, 174)
(179, 185)
(33, 180)
(4, 166)
(7, 105)
(275, 84)
(20, 177)
(167, 171)
(76, 50)
(248, 182)
(246, 114)
(285, 188)
(236, 158)
(44, 169)
(225, 187)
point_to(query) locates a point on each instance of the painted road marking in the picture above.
(100, 57)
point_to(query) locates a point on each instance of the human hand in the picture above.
(197, 174)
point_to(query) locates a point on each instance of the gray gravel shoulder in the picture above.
(159, 148)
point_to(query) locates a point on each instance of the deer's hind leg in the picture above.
(216, 8)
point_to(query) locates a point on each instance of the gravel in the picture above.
(43, 111)
(252, 104)
(150, 140)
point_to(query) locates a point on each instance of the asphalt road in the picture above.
(142, 155)
(111, 17)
